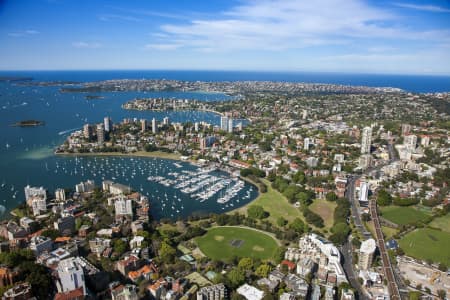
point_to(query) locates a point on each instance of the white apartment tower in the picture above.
(71, 275)
(154, 126)
(123, 207)
(107, 124)
(100, 134)
(366, 140)
(230, 125)
(366, 253)
(224, 123)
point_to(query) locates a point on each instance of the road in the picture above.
(346, 249)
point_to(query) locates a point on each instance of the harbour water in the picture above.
(26, 153)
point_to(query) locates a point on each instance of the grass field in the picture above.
(325, 209)
(275, 203)
(426, 243)
(402, 215)
(217, 243)
(442, 223)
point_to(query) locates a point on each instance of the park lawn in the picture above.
(388, 232)
(275, 204)
(402, 215)
(427, 243)
(217, 243)
(442, 223)
(325, 209)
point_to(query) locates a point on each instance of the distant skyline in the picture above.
(351, 36)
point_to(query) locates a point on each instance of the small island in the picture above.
(28, 123)
(93, 97)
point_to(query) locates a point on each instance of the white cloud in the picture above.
(111, 17)
(163, 47)
(430, 8)
(275, 25)
(23, 33)
(86, 45)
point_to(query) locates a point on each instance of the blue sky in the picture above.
(358, 36)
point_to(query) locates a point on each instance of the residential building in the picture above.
(71, 275)
(250, 292)
(60, 195)
(366, 252)
(143, 125)
(123, 207)
(107, 124)
(100, 134)
(40, 244)
(366, 140)
(154, 126)
(87, 131)
(213, 292)
(230, 125)
(85, 187)
(65, 225)
(124, 292)
(224, 123)
(20, 291)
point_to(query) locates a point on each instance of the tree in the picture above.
(166, 252)
(298, 225)
(51, 233)
(281, 221)
(340, 232)
(120, 246)
(236, 277)
(384, 198)
(257, 212)
(331, 196)
(263, 270)
(441, 294)
(304, 198)
(246, 263)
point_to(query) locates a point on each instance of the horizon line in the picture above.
(233, 70)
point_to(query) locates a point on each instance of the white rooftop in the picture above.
(368, 246)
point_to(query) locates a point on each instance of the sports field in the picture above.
(224, 243)
(442, 223)
(426, 243)
(402, 215)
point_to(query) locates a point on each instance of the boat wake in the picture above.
(68, 130)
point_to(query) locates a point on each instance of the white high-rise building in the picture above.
(35, 191)
(71, 275)
(60, 195)
(154, 126)
(143, 125)
(410, 141)
(366, 253)
(166, 121)
(100, 134)
(107, 124)
(230, 125)
(306, 143)
(366, 140)
(196, 126)
(304, 114)
(123, 207)
(224, 123)
(364, 192)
